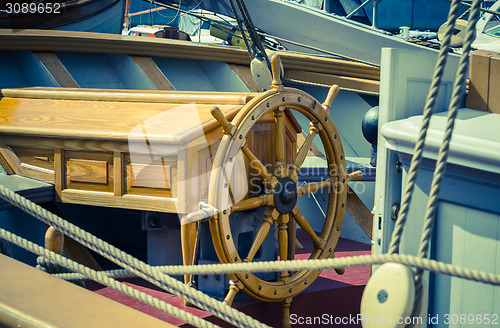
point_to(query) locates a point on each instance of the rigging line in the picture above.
(316, 264)
(179, 11)
(482, 9)
(173, 18)
(253, 32)
(464, 14)
(437, 179)
(302, 45)
(320, 50)
(427, 113)
(242, 31)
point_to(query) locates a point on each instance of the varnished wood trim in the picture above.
(73, 144)
(150, 96)
(107, 199)
(152, 71)
(321, 64)
(118, 174)
(364, 85)
(56, 69)
(53, 40)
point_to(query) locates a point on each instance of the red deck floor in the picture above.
(331, 297)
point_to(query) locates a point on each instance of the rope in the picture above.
(50, 267)
(130, 263)
(252, 30)
(458, 92)
(464, 14)
(101, 277)
(242, 30)
(323, 264)
(419, 146)
(482, 9)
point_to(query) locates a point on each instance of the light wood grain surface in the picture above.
(105, 119)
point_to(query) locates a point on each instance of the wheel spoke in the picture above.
(283, 240)
(261, 234)
(312, 187)
(280, 141)
(304, 224)
(256, 164)
(254, 202)
(301, 155)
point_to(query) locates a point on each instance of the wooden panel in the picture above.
(152, 71)
(149, 175)
(37, 163)
(84, 170)
(164, 170)
(89, 170)
(56, 69)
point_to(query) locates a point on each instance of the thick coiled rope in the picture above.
(323, 264)
(141, 269)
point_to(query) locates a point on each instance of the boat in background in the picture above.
(70, 15)
(488, 31)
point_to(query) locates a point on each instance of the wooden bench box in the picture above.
(124, 148)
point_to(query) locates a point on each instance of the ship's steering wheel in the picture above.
(281, 189)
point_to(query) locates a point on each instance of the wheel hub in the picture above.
(285, 195)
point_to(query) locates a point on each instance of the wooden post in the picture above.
(188, 242)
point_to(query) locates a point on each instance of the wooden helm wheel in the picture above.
(281, 188)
